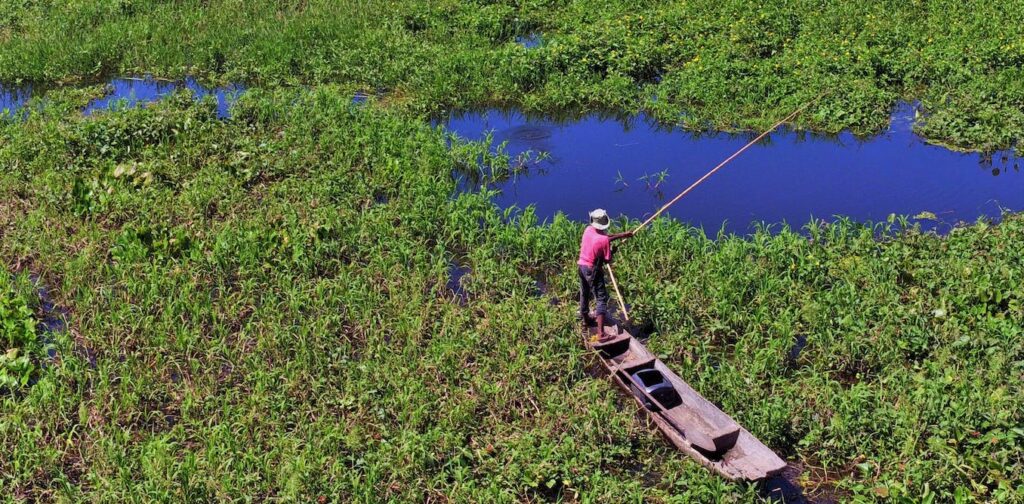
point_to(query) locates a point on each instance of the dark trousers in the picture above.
(592, 287)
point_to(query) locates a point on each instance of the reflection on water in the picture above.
(13, 98)
(630, 165)
(529, 133)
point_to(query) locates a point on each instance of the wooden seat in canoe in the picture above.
(692, 423)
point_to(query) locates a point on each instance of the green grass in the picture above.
(258, 307)
(709, 63)
(265, 302)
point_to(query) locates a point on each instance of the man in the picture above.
(595, 252)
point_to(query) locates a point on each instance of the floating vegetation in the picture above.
(250, 279)
(722, 64)
(261, 307)
(130, 92)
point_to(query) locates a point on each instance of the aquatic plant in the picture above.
(710, 64)
(22, 349)
(653, 181)
(267, 315)
(620, 181)
(483, 163)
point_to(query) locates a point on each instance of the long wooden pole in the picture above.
(723, 163)
(618, 295)
(611, 274)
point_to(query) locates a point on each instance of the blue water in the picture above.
(456, 272)
(360, 98)
(632, 168)
(132, 92)
(13, 98)
(530, 41)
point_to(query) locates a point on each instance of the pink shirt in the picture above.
(594, 245)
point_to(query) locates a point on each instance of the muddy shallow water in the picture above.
(632, 167)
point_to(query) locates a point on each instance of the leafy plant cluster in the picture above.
(700, 63)
(22, 348)
(267, 313)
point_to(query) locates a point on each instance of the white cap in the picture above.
(599, 219)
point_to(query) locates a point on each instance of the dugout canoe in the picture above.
(690, 422)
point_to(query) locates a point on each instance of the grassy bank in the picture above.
(259, 307)
(723, 64)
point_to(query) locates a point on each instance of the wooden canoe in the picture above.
(692, 423)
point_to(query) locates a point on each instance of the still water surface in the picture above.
(134, 91)
(130, 92)
(632, 167)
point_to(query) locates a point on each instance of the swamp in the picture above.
(325, 251)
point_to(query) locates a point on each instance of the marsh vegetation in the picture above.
(262, 305)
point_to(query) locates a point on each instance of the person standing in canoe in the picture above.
(595, 252)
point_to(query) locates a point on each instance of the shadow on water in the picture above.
(131, 92)
(794, 351)
(784, 489)
(630, 164)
